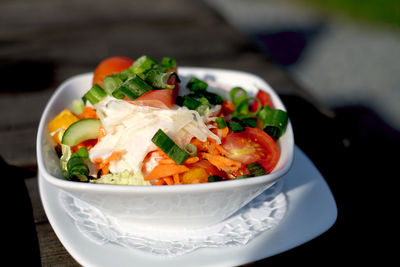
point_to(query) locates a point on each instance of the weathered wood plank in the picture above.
(52, 252)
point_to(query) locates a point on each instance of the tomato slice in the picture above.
(109, 66)
(252, 145)
(264, 98)
(163, 98)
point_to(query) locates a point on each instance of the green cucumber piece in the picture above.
(80, 131)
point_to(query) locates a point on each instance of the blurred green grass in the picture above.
(385, 12)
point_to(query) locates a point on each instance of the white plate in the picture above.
(311, 211)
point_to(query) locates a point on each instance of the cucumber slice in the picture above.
(80, 131)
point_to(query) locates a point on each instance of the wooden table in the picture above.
(43, 42)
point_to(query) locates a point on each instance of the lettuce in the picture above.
(123, 178)
(66, 155)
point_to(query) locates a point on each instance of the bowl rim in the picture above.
(91, 187)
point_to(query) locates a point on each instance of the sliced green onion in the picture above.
(204, 106)
(159, 79)
(274, 121)
(134, 87)
(94, 95)
(239, 95)
(168, 63)
(142, 64)
(118, 94)
(77, 169)
(235, 126)
(168, 146)
(111, 83)
(220, 122)
(196, 85)
(249, 122)
(188, 101)
(191, 150)
(77, 106)
(82, 152)
(214, 178)
(244, 176)
(256, 169)
(242, 108)
(213, 98)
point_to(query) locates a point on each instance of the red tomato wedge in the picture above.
(163, 98)
(264, 98)
(109, 66)
(252, 145)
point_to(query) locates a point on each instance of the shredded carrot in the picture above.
(176, 178)
(88, 112)
(166, 161)
(210, 146)
(201, 146)
(191, 160)
(158, 182)
(163, 170)
(224, 132)
(219, 149)
(169, 180)
(221, 162)
(104, 165)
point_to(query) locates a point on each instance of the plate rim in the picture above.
(317, 181)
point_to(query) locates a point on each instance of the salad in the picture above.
(133, 128)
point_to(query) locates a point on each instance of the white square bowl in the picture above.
(188, 206)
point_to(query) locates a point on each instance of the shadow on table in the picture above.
(356, 152)
(19, 76)
(20, 243)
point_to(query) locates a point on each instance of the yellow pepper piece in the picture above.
(61, 122)
(195, 176)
